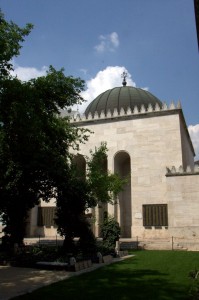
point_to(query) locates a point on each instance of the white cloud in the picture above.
(27, 73)
(194, 133)
(108, 43)
(104, 80)
(114, 39)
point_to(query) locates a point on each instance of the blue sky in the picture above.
(153, 40)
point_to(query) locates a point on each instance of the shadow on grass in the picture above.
(118, 281)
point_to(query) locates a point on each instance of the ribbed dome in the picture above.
(121, 97)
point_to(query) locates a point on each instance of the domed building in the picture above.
(147, 141)
(126, 97)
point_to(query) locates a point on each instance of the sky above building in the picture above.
(154, 41)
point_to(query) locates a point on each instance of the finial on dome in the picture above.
(124, 75)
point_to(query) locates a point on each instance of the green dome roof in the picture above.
(121, 97)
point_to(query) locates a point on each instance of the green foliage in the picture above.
(35, 143)
(81, 193)
(34, 138)
(72, 199)
(110, 230)
(28, 256)
(10, 37)
(87, 241)
(104, 186)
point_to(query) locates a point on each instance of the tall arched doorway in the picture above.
(123, 208)
(95, 215)
(80, 163)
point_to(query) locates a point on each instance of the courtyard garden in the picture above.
(165, 275)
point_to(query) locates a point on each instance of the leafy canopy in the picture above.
(11, 35)
(34, 138)
(85, 191)
(104, 186)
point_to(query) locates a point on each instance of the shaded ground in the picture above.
(16, 281)
(19, 281)
(150, 275)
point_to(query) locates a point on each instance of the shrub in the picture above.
(110, 230)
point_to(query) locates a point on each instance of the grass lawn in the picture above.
(149, 275)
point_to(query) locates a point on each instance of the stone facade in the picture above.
(153, 147)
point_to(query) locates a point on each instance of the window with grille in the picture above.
(155, 215)
(46, 216)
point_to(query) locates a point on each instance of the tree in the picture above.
(34, 144)
(34, 138)
(35, 148)
(72, 201)
(81, 193)
(104, 186)
(10, 37)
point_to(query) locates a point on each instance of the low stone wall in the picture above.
(107, 259)
(122, 253)
(77, 266)
(81, 265)
(190, 243)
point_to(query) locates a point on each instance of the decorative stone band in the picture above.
(181, 172)
(122, 112)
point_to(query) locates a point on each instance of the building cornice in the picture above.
(82, 120)
(149, 112)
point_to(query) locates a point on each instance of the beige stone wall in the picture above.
(152, 143)
(183, 205)
(156, 137)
